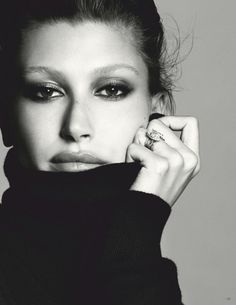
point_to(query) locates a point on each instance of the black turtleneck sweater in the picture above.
(82, 239)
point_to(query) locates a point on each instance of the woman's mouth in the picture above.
(74, 162)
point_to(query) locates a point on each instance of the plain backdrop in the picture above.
(200, 233)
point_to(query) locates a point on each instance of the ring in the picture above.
(153, 137)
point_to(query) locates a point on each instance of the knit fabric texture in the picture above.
(82, 238)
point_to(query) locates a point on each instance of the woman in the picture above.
(93, 172)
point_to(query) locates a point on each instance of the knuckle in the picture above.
(140, 136)
(177, 160)
(196, 172)
(191, 162)
(154, 124)
(132, 147)
(141, 131)
(193, 121)
(163, 165)
(158, 145)
(198, 168)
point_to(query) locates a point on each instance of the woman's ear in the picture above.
(161, 103)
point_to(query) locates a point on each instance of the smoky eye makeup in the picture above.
(113, 89)
(35, 87)
(41, 91)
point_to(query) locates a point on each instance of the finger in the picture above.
(175, 159)
(174, 149)
(149, 160)
(182, 156)
(190, 135)
(161, 148)
(176, 170)
(179, 168)
(140, 137)
(189, 128)
(167, 133)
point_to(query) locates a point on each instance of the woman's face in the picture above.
(84, 94)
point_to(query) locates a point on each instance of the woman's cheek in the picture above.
(35, 130)
(119, 131)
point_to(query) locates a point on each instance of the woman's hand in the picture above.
(168, 166)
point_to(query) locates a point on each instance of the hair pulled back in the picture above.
(140, 16)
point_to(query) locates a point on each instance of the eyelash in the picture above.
(123, 88)
(32, 91)
(45, 92)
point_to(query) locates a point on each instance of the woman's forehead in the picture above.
(86, 44)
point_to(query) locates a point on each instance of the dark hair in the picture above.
(140, 16)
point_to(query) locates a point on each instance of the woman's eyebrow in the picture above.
(97, 71)
(111, 68)
(45, 70)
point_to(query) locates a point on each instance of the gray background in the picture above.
(200, 234)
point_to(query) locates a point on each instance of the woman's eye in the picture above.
(42, 92)
(113, 91)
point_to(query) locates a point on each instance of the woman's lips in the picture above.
(66, 157)
(68, 161)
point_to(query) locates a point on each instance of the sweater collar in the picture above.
(63, 186)
(56, 221)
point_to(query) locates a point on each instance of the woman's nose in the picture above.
(77, 125)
